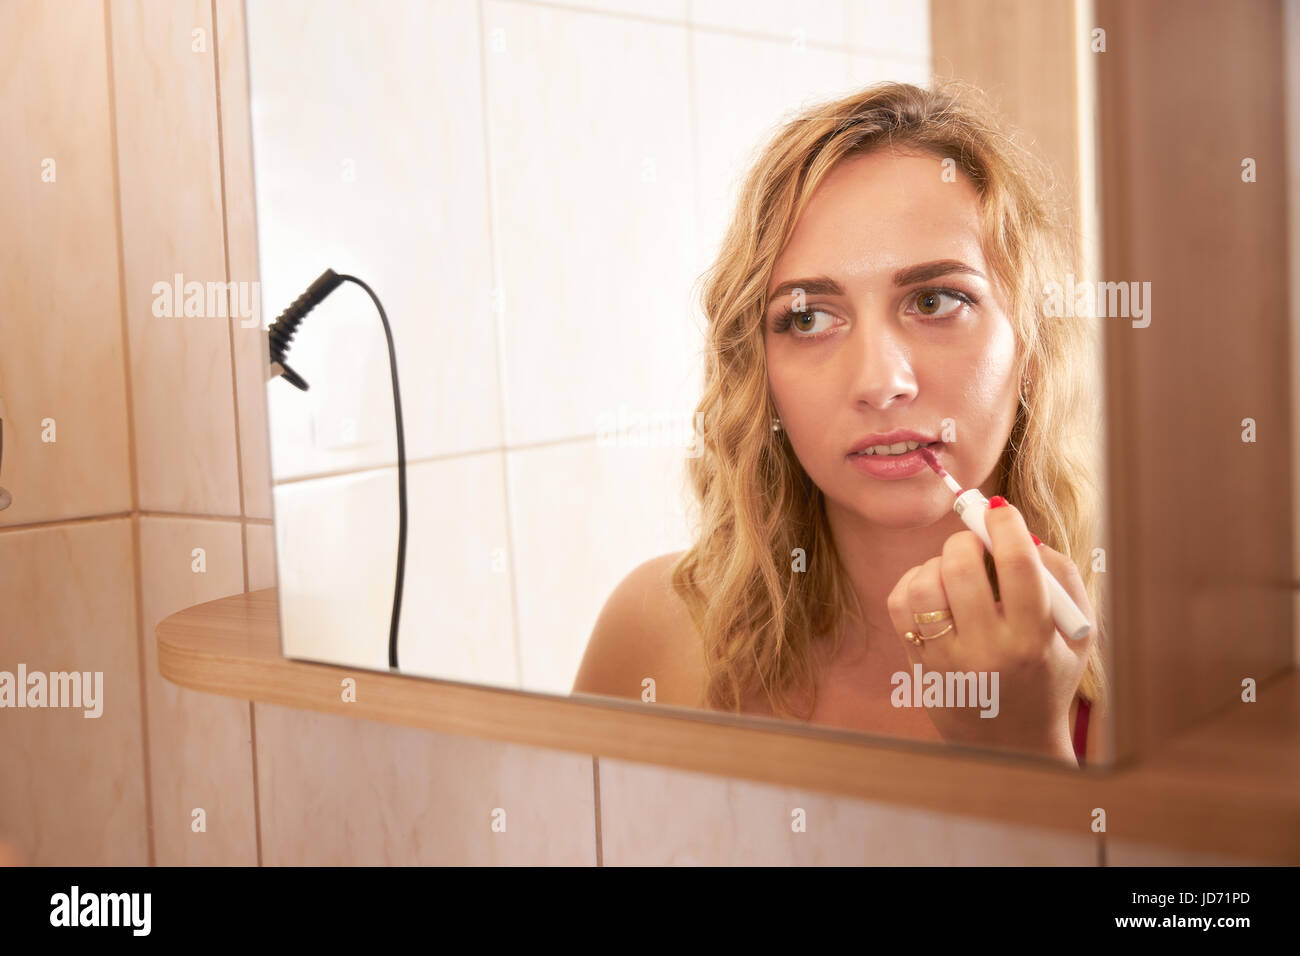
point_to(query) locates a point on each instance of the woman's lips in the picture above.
(891, 467)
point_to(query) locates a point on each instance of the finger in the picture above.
(1065, 571)
(900, 614)
(966, 583)
(1025, 603)
(925, 593)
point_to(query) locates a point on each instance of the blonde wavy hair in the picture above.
(757, 615)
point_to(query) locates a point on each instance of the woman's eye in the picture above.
(806, 323)
(930, 302)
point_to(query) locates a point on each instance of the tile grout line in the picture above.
(225, 252)
(848, 60)
(595, 784)
(693, 125)
(916, 59)
(136, 557)
(198, 517)
(498, 325)
(257, 801)
(137, 567)
(62, 522)
(446, 456)
(192, 516)
(234, 389)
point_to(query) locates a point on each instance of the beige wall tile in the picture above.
(653, 816)
(1131, 853)
(340, 791)
(199, 744)
(740, 100)
(896, 28)
(260, 547)
(170, 182)
(250, 343)
(336, 539)
(674, 10)
(336, 548)
(61, 354)
(72, 789)
(865, 70)
(597, 291)
(332, 83)
(575, 537)
(819, 21)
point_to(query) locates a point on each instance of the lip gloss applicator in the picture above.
(971, 506)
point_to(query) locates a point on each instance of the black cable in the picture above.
(401, 473)
(282, 331)
(279, 336)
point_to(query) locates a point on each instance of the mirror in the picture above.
(636, 363)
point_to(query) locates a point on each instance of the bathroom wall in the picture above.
(535, 245)
(148, 489)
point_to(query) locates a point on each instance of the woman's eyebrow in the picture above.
(933, 270)
(819, 285)
(824, 285)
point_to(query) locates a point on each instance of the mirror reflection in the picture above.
(726, 373)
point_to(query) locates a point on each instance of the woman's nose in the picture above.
(883, 369)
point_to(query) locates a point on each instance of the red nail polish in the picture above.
(997, 501)
(1037, 539)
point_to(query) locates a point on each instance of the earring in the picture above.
(776, 424)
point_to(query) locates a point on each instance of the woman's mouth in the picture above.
(899, 460)
(898, 448)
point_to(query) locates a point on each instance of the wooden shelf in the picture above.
(1230, 786)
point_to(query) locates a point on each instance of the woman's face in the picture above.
(899, 327)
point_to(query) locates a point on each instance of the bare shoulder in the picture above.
(644, 630)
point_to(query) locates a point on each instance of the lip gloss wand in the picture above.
(971, 506)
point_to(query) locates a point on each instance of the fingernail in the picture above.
(1037, 540)
(997, 501)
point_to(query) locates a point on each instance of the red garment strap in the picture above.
(1081, 730)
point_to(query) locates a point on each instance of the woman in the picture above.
(881, 281)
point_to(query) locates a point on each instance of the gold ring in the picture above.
(929, 617)
(930, 637)
(915, 637)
